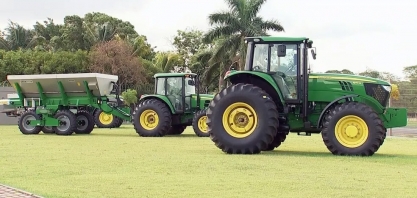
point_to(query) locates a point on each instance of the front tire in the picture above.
(152, 118)
(200, 124)
(242, 119)
(105, 120)
(352, 129)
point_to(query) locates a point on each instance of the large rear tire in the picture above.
(282, 133)
(352, 129)
(242, 119)
(68, 122)
(85, 122)
(152, 118)
(24, 123)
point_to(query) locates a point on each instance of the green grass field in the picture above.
(119, 163)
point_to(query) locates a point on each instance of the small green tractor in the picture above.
(175, 104)
(276, 94)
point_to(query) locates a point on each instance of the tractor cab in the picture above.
(286, 60)
(179, 88)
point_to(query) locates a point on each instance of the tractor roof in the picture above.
(159, 75)
(278, 39)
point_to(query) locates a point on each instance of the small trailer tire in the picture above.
(68, 122)
(85, 122)
(24, 126)
(47, 130)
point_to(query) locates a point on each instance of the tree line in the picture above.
(97, 42)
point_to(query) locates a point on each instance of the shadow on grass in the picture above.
(328, 154)
(134, 134)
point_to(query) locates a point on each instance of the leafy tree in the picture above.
(189, 43)
(73, 34)
(17, 37)
(101, 27)
(167, 61)
(116, 58)
(51, 32)
(410, 72)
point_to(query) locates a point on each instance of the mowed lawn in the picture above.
(119, 163)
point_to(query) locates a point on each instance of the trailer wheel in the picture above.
(85, 122)
(200, 124)
(67, 122)
(242, 119)
(48, 130)
(353, 128)
(24, 122)
(176, 130)
(151, 118)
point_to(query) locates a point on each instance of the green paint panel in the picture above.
(395, 117)
(279, 39)
(159, 75)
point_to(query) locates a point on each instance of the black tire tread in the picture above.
(164, 118)
(73, 122)
(376, 139)
(197, 130)
(176, 130)
(48, 130)
(264, 138)
(90, 124)
(114, 124)
(36, 130)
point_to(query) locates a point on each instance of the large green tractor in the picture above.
(175, 105)
(276, 94)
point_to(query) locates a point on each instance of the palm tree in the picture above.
(168, 61)
(240, 21)
(17, 37)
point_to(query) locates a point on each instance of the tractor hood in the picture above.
(346, 77)
(327, 87)
(206, 96)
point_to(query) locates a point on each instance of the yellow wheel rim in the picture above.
(351, 131)
(149, 119)
(202, 124)
(240, 120)
(105, 118)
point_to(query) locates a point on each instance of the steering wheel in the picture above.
(257, 68)
(282, 74)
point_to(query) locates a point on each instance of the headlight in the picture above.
(387, 87)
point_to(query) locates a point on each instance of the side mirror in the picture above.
(313, 54)
(282, 50)
(191, 82)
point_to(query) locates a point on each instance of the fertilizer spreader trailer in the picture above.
(56, 102)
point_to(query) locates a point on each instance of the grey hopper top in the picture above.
(99, 84)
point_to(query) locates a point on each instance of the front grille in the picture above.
(378, 92)
(347, 86)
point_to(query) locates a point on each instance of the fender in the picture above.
(264, 77)
(347, 98)
(162, 98)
